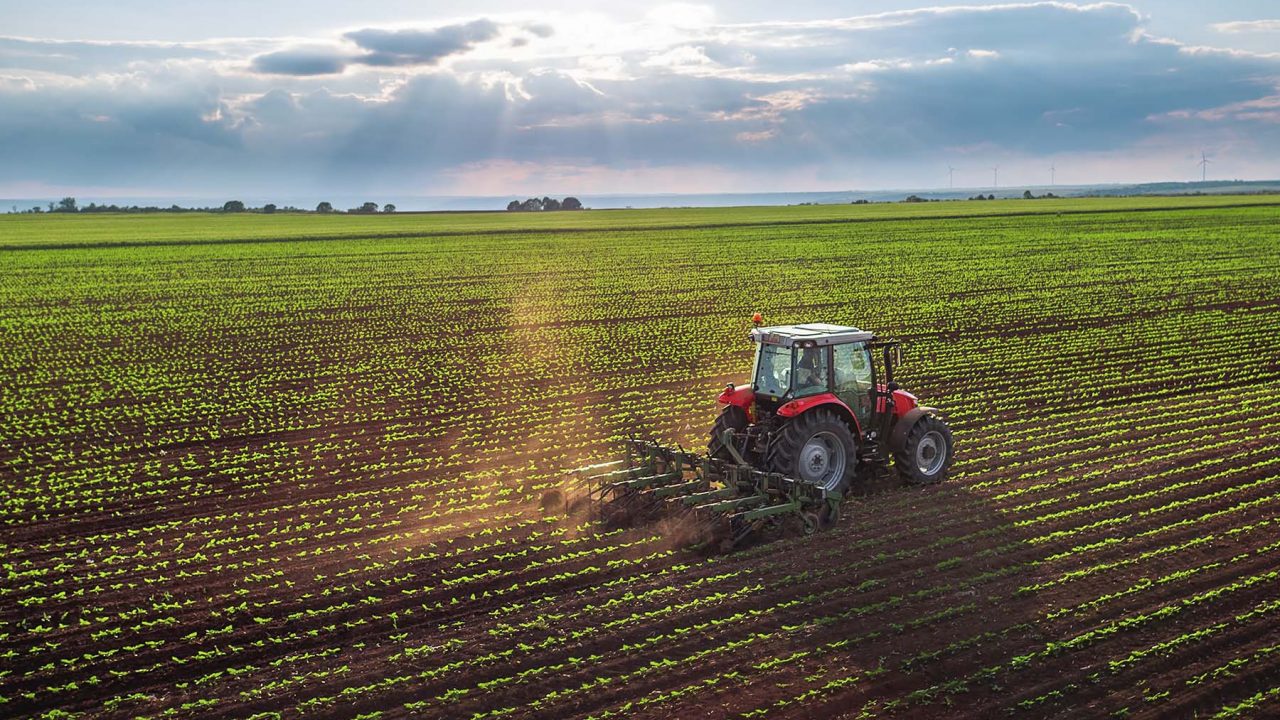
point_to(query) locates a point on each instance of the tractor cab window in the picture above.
(811, 371)
(782, 370)
(773, 370)
(854, 378)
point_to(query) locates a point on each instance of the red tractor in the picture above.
(820, 408)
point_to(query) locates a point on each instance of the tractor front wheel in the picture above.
(926, 455)
(817, 448)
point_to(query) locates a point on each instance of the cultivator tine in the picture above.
(597, 466)
(597, 479)
(688, 528)
(732, 505)
(679, 489)
(693, 500)
(725, 532)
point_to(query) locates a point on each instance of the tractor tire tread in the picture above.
(907, 469)
(731, 418)
(781, 455)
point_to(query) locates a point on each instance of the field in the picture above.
(305, 466)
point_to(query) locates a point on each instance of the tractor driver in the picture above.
(809, 370)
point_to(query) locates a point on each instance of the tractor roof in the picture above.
(816, 333)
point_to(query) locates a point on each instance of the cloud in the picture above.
(885, 98)
(1266, 109)
(542, 30)
(378, 47)
(315, 60)
(1247, 26)
(684, 56)
(748, 136)
(394, 48)
(78, 58)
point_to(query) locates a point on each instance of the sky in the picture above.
(488, 97)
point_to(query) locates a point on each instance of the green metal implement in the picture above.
(728, 501)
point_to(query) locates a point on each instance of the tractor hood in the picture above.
(740, 395)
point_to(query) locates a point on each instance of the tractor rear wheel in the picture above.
(926, 455)
(731, 418)
(817, 448)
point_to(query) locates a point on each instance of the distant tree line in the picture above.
(546, 203)
(69, 205)
(370, 207)
(1026, 195)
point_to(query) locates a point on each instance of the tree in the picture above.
(914, 199)
(1026, 195)
(67, 204)
(513, 206)
(369, 207)
(531, 205)
(571, 203)
(324, 207)
(233, 206)
(388, 208)
(269, 208)
(549, 203)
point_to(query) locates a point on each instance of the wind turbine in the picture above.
(1052, 177)
(1204, 166)
(951, 177)
(995, 177)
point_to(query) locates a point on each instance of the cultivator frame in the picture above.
(724, 502)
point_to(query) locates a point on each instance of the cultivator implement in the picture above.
(713, 502)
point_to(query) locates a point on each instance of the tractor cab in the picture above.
(801, 361)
